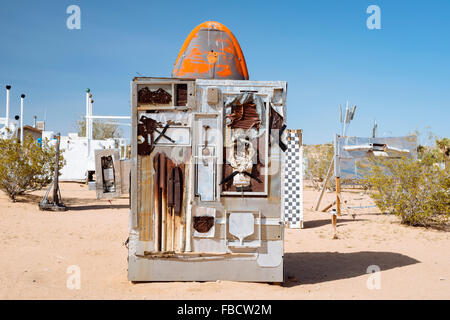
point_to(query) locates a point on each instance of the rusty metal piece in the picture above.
(146, 129)
(175, 190)
(178, 195)
(244, 116)
(181, 97)
(276, 120)
(160, 96)
(157, 198)
(203, 224)
(143, 147)
(163, 134)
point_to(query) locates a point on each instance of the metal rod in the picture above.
(21, 119)
(110, 117)
(87, 112)
(8, 88)
(55, 179)
(90, 119)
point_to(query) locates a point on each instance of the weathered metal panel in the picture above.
(111, 174)
(125, 171)
(204, 247)
(261, 267)
(352, 152)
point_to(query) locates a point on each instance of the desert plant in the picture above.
(417, 191)
(26, 168)
(319, 158)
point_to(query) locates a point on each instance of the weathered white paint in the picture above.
(75, 153)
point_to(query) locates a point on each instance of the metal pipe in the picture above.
(87, 112)
(8, 88)
(89, 123)
(110, 117)
(90, 118)
(21, 118)
(55, 178)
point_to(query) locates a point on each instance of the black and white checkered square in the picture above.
(293, 181)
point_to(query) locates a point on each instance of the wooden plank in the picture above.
(338, 198)
(316, 207)
(145, 199)
(334, 223)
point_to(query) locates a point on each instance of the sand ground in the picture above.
(36, 249)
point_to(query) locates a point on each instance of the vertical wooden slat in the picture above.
(156, 207)
(338, 194)
(145, 199)
(168, 211)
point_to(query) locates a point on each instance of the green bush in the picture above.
(418, 191)
(26, 168)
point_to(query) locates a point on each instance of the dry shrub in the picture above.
(319, 158)
(418, 191)
(25, 168)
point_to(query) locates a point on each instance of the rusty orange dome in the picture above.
(211, 51)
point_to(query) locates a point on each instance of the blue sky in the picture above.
(399, 75)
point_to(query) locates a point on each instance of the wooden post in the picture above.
(56, 175)
(163, 191)
(334, 223)
(338, 207)
(316, 207)
(338, 198)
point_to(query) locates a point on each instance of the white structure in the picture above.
(75, 153)
(89, 121)
(79, 151)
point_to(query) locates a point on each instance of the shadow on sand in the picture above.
(75, 204)
(317, 267)
(326, 222)
(98, 207)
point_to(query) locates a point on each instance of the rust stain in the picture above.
(168, 212)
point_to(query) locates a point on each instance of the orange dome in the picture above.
(210, 52)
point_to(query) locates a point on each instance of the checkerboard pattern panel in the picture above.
(293, 181)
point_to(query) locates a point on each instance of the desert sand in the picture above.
(36, 249)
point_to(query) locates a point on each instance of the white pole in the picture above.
(21, 118)
(87, 112)
(111, 117)
(8, 87)
(90, 119)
